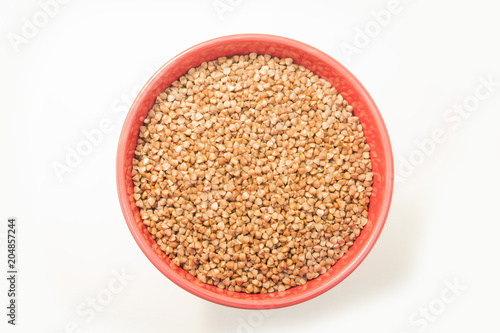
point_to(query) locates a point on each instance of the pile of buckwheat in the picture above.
(252, 174)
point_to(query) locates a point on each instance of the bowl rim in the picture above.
(245, 303)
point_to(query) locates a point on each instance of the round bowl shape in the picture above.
(325, 67)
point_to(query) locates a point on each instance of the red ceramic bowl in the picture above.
(328, 69)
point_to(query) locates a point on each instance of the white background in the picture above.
(82, 65)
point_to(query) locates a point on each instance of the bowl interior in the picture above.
(325, 67)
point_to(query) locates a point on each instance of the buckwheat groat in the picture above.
(252, 174)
